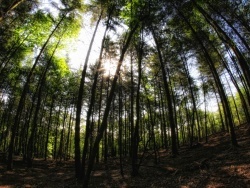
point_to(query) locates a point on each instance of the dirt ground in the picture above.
(209, 165)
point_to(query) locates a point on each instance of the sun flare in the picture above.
(109, 68)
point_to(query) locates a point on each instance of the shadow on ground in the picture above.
(211, 165)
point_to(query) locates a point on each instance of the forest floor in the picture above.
(212, 165)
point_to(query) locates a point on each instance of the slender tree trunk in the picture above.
(126, 127)
(67, 149)
(205, 109)
(99, 115)
(230, 25)
(21, 103)
(187, 114)
(163, 119)
(131, 106)
(242, 20)
(195, 113)
(12, 52)
(14, 5)
(112, 122)
(26, 128)
(135, 144)
(106, 131)
(224, 125)
(232, 77)
(169, 99)
(120, 128)
(227, 40)
(38, 105)
(233, 98)
(92, 99)
(61, 150)
(48, 128)
(56, 131)
(227, 112)
(78, 165)
(107, 109)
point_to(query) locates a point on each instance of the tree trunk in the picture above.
(131, 106)
(11, 53)
(227, 112)
(135, 143)
(48, 128)
(120, 127)
(67, 147)
(195, 113)
(107, 109)
(61, 150)
(165, 140)
(78, 165)
(93, 96)
(56, 131)
(23, 96)
(230, 25)
(169, 98)
(205, 109)
(38, 105)
(14, 5)
(227, 40)
(234, 103)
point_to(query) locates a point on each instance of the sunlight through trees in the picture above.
(151, 75)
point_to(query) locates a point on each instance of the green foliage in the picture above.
(50, 146)
(37, 28)
(134, 11)
(61, 67)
